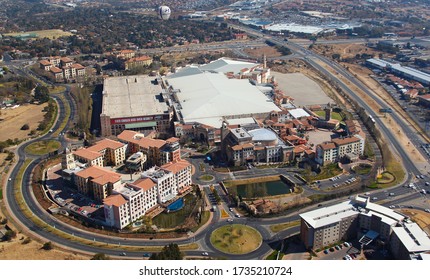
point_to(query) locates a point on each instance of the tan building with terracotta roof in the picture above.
(97, 182)
(338, 148)
(103, 153)
(113, 151)
(136, 62)
(91, 158)
(158, 151)
(45, 65)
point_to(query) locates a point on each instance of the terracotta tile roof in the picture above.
(328, 146)
(140, 139)
(176, 166)
(45, 62)
(56, 70)
(115, 200)
(172, 140)
(299, 149)
(105, 144)
(99, 175)
(126, 51)
(66, 59)
(346, 140)
(77, 66)
(144, 184)
(140, 58)
(425, 96)
(87, 154)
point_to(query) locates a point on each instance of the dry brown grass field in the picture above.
(11, 121)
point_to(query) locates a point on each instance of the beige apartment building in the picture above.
(103, 153)
(97, 182)
(332, 151)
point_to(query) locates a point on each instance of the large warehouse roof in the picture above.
(225, 65)
(206, 97)
(129, 96)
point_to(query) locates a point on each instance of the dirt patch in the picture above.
(345, 50)
(420, 217)
(260, 51)
(15, 250)
(13, 119)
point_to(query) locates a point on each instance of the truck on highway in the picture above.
(385, 110)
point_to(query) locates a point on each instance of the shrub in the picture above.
(25, 127)
(47, 246)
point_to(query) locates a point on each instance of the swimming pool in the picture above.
(177, 205)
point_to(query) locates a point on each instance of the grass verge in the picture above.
(43, 147)
(281, 227)
(236, 239)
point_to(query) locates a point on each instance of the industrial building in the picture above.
(403, 71)
(134, 103)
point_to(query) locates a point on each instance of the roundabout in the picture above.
(236, 239)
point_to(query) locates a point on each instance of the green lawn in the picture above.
(236, 239)
(174, 219)
(206, 177)
(327, 171)
(43, 147)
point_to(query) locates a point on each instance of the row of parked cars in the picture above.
(338, 247)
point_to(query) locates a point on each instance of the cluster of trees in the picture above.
(17, 89)
(50, 110)
(169, 252)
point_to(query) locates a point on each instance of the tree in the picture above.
(100, 256)
(9, 235)
(169, 252)
(41, 93)
(25, 127)
(47, 246)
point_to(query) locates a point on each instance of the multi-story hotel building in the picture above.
(156, 186)
(104, 152)
(348, 220)
(158, 152)
(338, 148)
(97, 182)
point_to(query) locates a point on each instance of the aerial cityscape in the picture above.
(214, 130)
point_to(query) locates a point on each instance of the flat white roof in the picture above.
(406, 70)
(292, 27)
(329, 215)
(130, 96)
(385, 211)
(206, 97)
(241, 121)
(413, 237)
(298, 113)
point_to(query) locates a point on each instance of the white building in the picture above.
(347, 220)
(156, 186)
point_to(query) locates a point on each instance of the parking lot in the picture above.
(69, 199)
(339, 252)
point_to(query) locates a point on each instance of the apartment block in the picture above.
(157, 185)
(332, 151)
(158, 152)
(97, 182)
(367, 221)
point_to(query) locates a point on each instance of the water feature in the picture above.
(177, 205)
(263, 189)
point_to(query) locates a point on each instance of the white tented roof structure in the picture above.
(206, 97)
(298, 113)
(225, 65)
